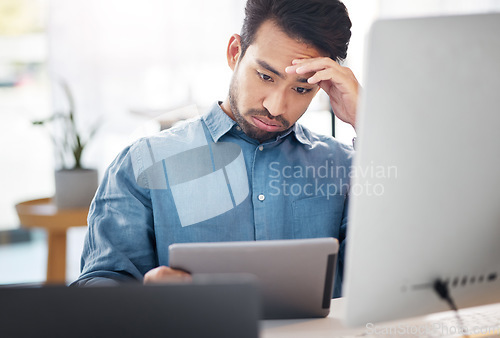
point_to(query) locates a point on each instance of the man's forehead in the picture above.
(271, 38)
(274, 50)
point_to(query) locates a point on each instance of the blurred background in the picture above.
(127, 63)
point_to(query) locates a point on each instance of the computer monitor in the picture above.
(425, 196)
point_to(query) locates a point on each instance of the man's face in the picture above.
(263, 99)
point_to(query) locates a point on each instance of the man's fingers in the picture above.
(322, 75)
(164, 274)
(326, 66)
(303, 66)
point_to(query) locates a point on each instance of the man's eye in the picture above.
(265, 77)
(301, 90)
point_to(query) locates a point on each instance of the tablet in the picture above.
(295, 277)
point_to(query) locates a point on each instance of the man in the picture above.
(245, 170)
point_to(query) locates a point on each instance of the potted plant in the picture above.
(75, 185)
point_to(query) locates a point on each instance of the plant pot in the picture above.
(75, 188)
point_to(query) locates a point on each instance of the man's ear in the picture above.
(233, 50)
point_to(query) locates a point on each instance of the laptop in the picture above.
(211, 306)
(295, 277)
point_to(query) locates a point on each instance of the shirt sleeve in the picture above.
(120, 244)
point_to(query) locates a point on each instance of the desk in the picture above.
(331, 326)
(43, 213)
(436, 325)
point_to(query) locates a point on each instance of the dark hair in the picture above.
(323, 24)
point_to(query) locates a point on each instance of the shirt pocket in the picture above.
(318, 216)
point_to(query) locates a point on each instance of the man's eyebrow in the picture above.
(302, 80)
(270, 68)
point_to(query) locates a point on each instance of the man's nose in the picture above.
(276, 102)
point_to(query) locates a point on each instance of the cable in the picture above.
(443, 292)
(441, 289)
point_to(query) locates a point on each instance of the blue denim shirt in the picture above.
(206, 181)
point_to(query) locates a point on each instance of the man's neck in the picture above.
(226, 108)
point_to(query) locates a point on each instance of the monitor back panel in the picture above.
(425, 199)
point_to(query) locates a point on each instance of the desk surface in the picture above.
(333, 326)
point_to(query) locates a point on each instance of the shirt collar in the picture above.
(298, 131)
(219, 123)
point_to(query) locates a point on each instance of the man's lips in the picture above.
(266, 124)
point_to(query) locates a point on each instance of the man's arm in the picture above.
(120, 242)
(119, 245)
(342, 88)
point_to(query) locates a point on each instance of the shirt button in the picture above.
(261, 197)
(238, 128)
(261, 148)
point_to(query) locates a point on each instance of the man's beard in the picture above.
(249, 129)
